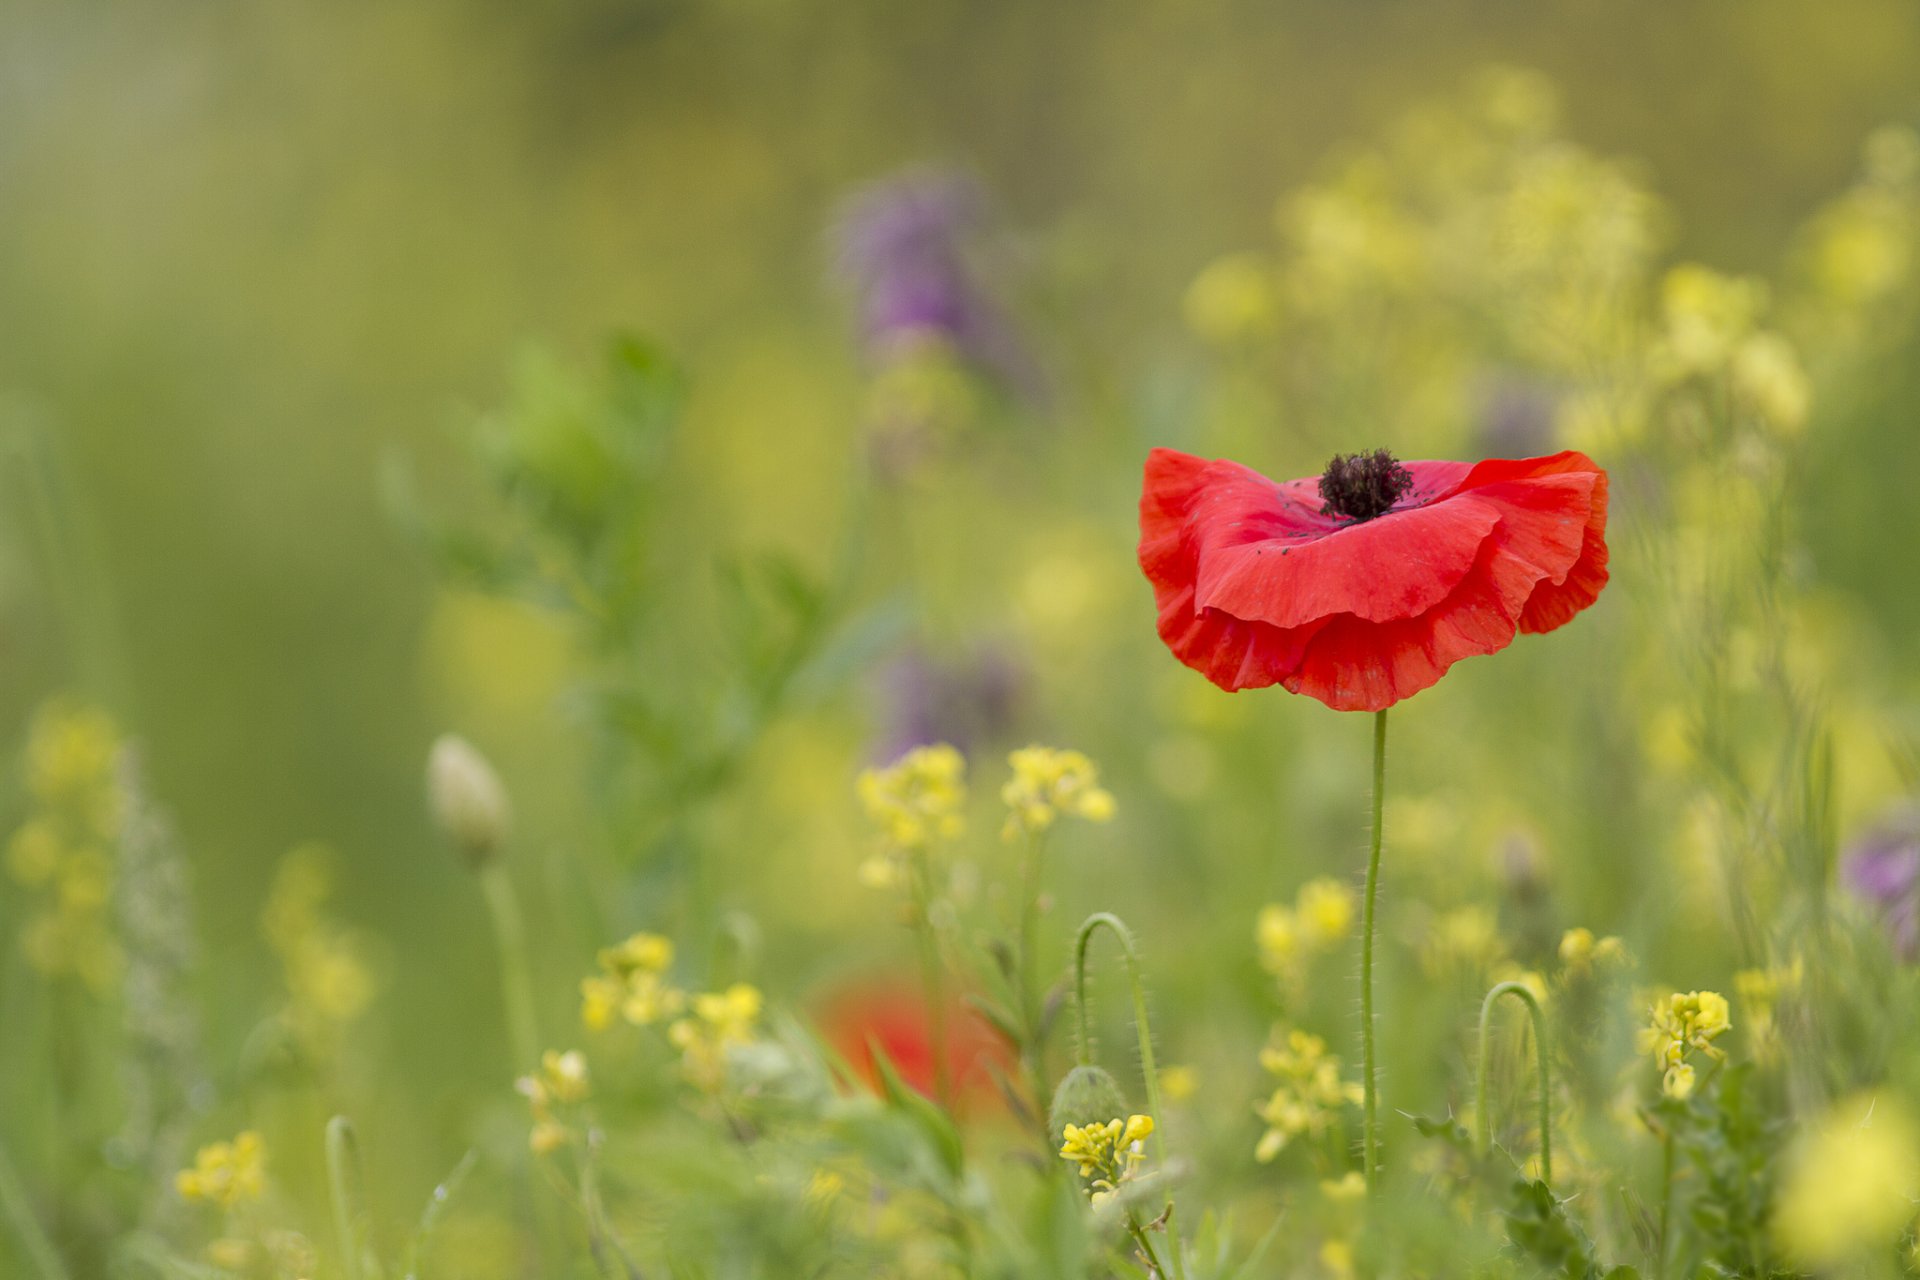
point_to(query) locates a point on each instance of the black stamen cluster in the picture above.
(1360, 486)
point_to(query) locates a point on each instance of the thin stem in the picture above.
(33, 1238)
(516, 983)
(1370, 1142)
(342, 1175)
(1146, 1246)
(1666, 1203)
(932, 975)
(1031, 1010)
(1144, 1029)
(1481, 1112)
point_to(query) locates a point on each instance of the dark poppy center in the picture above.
(1360, 486)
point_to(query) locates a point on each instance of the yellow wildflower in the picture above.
(919, 799)
(1178, 1083)
(632, 984)
(1581, 952)
(1464, 939)
(226, 1173)
(1767, 374)
(1309, 1093)
(329, 980)
(1706, 315)
(1349, 1188)
(1047, 783)
(1106, 1154)
(1683, 1022)
(720, 1021)
(1324, 910)
(561, 1081)
(1276, 935)
(71, 752)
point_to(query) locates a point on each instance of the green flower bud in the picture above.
(1088, 1095)
(467, 800)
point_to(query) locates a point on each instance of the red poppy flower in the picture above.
(1360, 587)
(894, 1018)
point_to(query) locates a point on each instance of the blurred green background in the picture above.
(255, 256)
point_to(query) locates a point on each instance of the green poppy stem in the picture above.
(516, 982)
(1482, 1115)
(1370, 1143)
(1144, 1029)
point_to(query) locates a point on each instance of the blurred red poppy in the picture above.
(1361, 586)
(894, 1017)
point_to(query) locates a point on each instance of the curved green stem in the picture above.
(516, 983)
(1370, 1142)
(1482, 1116)
(342, 1177)
(1142, 1027)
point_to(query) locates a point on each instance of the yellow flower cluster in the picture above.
(1464, 940)
(719, 1021)
(65, 845)
(1309, 1093)
(1047, 783)
(1320, 918)
(561, 1082)
(1107, 1154)
(226, 1173)
(1860, 249)
(914, 803)
(1581, 952)
(329, 981)
(1683, 1022)
(1711, 325)
(632, 984)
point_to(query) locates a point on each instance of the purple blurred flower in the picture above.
(968, 702)
(1882, 868)
(907, 246)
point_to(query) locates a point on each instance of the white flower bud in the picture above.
(467, 799)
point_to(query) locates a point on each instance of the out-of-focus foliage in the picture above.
(326, 428)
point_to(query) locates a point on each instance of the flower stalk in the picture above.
(1370, 1142)
(932, 976)
(1144, 1029)
(1482, 1116)
(516, 982)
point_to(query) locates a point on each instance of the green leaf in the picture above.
(931, 1120)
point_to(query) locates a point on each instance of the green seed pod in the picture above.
(1088, 1095)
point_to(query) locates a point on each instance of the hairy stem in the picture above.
(1370, 1141)
(1144, 1029)
(1482, 1114)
